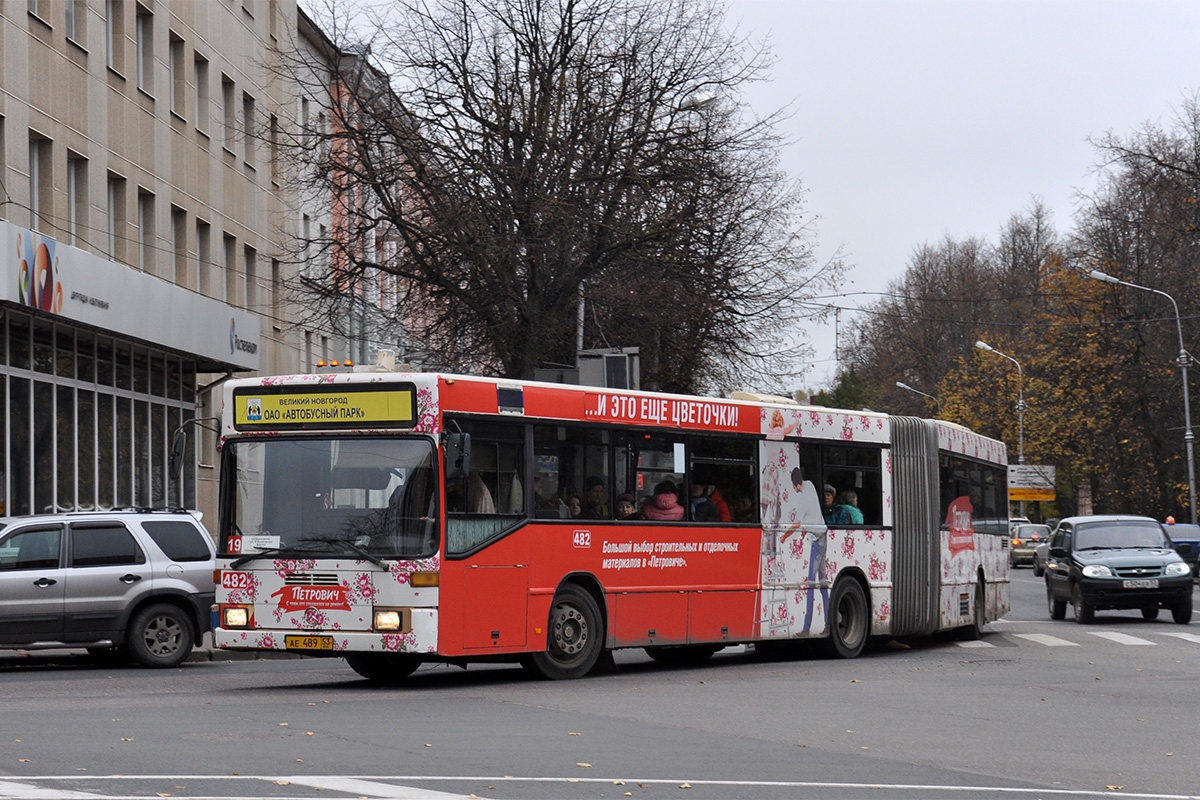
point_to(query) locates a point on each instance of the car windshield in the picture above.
(1032, 532)
(306, 496)
(1116, 534)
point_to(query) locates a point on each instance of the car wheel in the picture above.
(1150, 613)
(1038, 569)
(1084, 613)
(575, 640)
(388, 668)
(849, 619)
(1058, 607)
(159, 635)
(1182, 613)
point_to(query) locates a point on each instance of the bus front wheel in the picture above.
(388, 668)
(575, 637)
(849, 619)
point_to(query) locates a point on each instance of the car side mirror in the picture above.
(1058, 552)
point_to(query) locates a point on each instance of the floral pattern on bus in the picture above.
(959, 440)
(796, 580)
(778, 423)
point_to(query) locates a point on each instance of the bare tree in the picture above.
(501, 162)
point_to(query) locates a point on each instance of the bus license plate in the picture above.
(308, 642)
(1144, 583)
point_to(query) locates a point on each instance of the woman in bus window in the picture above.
(664, 505)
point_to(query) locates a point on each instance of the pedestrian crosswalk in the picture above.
(1077, 637)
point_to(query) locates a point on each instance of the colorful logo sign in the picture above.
(236, 343)
(294, 598)
(38, 264)
(959, 519)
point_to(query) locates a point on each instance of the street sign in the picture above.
(1030, 482)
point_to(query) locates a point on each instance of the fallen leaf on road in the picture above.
(582, 764)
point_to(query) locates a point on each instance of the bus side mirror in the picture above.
(176, 458)
(458, 456)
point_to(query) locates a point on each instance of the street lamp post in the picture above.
(1188, 438)
(1020, 404)
(936, 402)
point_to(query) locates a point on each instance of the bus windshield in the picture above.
(312, 496)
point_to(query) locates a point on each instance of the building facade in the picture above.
(148, 236)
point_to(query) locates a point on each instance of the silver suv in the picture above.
(118, 583)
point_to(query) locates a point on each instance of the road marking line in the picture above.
(27, 791)
(1189, 637)
(975, 644)
(372, 788)
(1120, 638)
(1046, 639)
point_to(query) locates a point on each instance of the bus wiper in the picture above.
(266, 551)
(349, 545)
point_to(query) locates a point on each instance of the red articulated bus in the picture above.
(396, 519)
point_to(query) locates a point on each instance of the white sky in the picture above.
(920, 118)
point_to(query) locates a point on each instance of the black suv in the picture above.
(1126, 562)
(135, 583)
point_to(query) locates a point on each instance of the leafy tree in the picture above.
(527, 157)
(849, 391)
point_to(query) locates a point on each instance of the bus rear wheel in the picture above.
(388, 668)
(575, 637)
(849, 619)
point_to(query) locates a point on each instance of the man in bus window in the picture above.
(594, 505)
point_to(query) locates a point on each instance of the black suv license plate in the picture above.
(1140, 583)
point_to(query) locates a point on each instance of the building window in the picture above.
(41, 184)
(204, 282)
(178, 77)
(145, 210)
(248, 128)
(228, 114)
(75, 21)
(200, 64)
(273, 145)
(179, 245)
(77, 198)
(231, 272)
(145, 49)
(116, 217)
(40, 9)
(251, 262)
(114, 24)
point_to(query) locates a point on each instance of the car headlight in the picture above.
(1178, 568)
(1097, 571)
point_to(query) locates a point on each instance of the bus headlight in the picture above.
(235, 617)
(387, 619)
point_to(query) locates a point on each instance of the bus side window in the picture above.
(572, 463)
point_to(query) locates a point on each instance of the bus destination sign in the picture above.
(327, 406)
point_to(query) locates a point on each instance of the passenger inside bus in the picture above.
(594, 500)
(626, 508)
(664, 504)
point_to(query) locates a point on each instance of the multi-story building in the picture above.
(148, 234)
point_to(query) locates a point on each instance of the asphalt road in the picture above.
(1037, 709)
